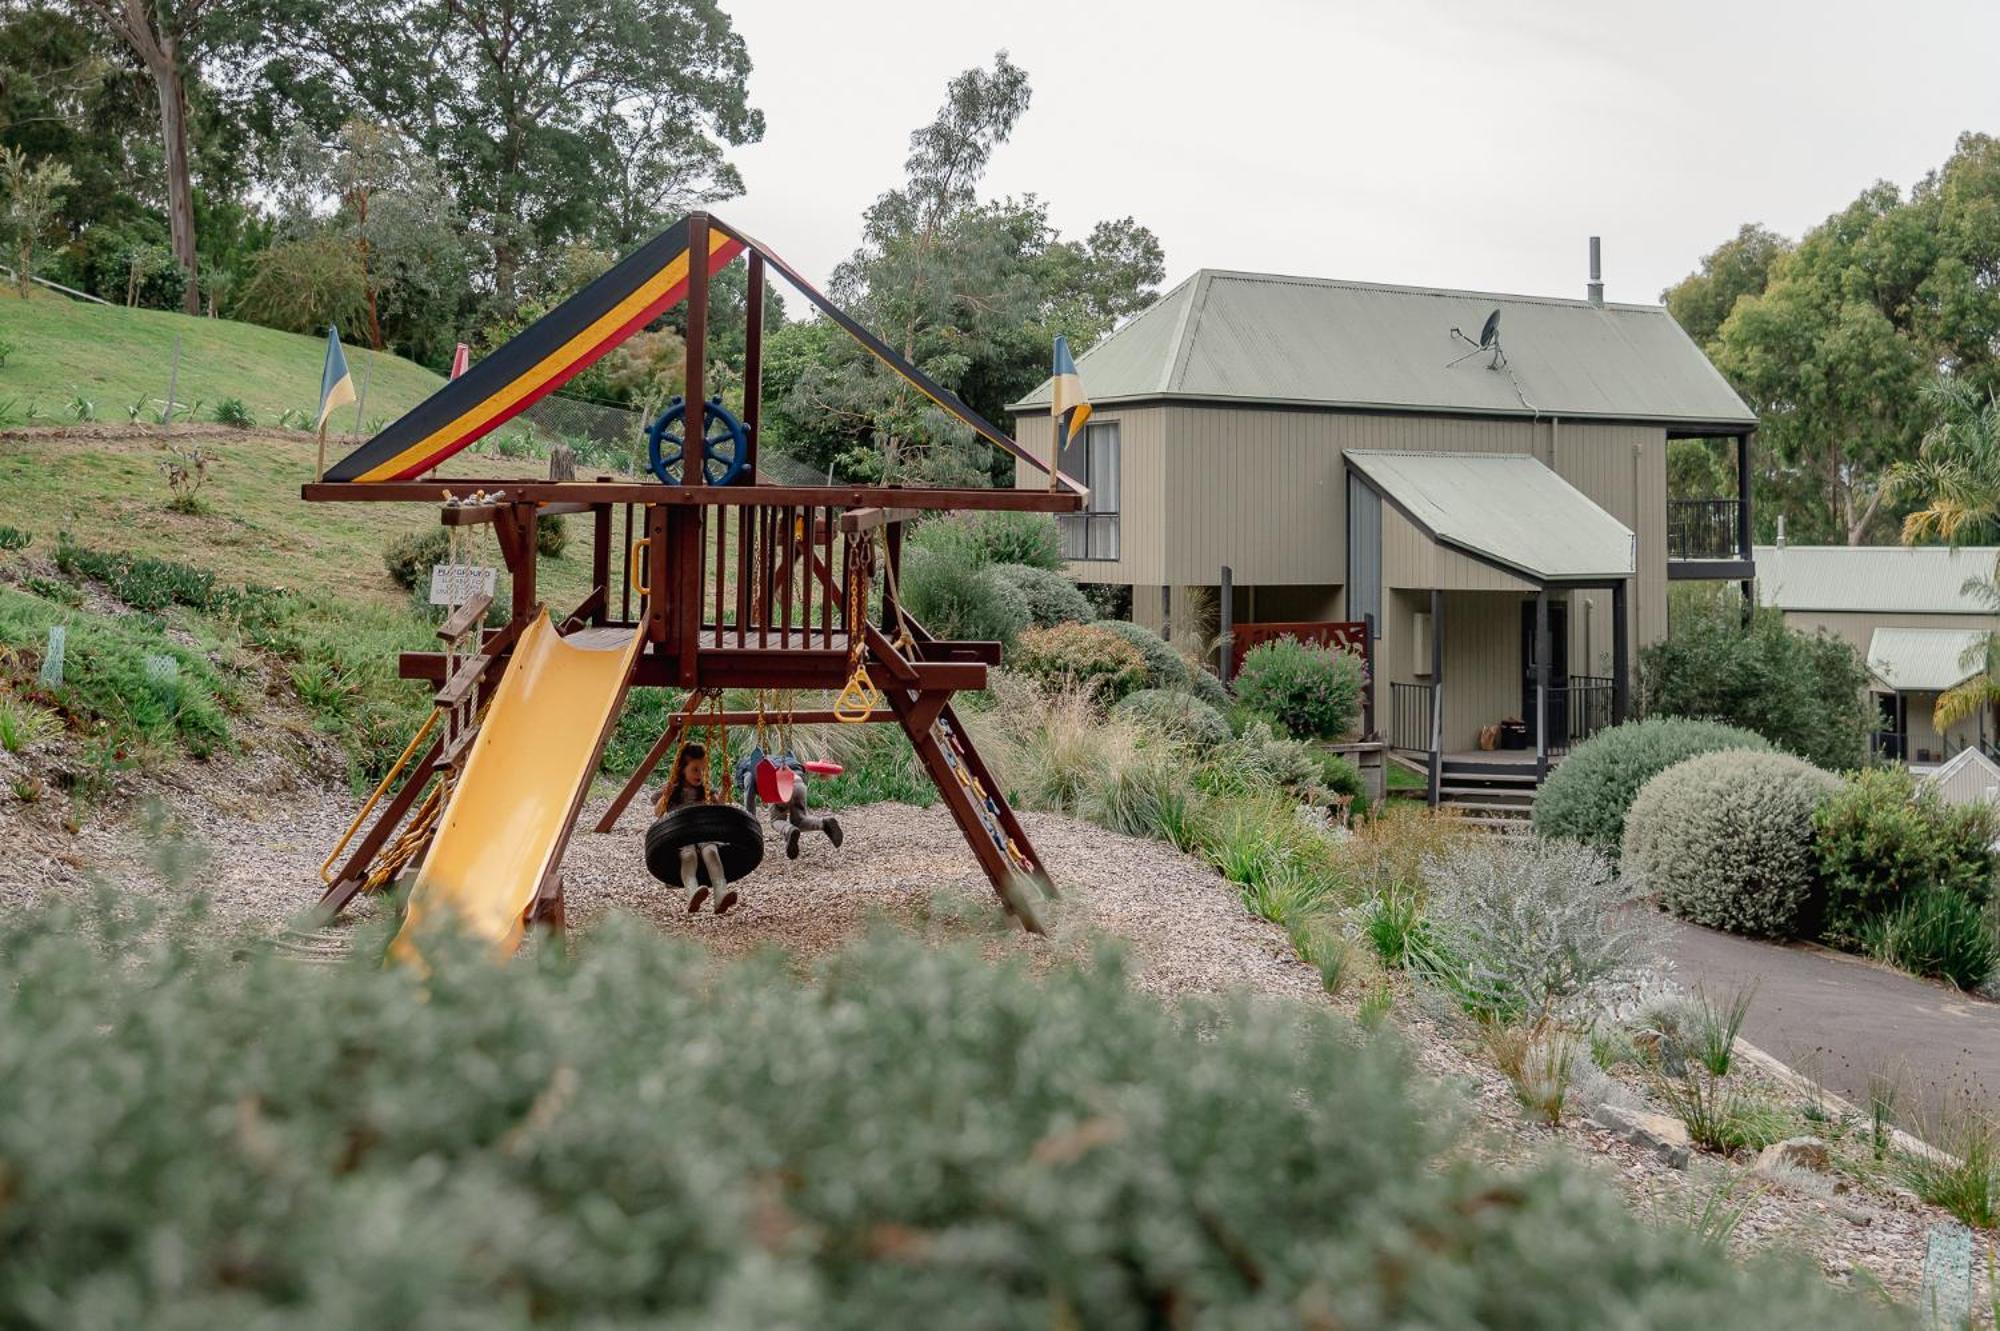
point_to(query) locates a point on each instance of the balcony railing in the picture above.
(1704, 529)
(1583, 706)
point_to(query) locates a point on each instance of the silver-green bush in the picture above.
(1531, 925)
(1586, 796)
(1177, 716)
(1726, 839)
(1051, 598)
(198, 1134)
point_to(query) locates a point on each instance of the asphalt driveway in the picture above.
(1841, 1020)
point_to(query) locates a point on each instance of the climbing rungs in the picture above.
(457, 747)
(466, 618)
(460, 686)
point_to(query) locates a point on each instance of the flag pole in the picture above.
(319, 462)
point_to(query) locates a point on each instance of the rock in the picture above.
(1664, 1136)
(1797, 1152)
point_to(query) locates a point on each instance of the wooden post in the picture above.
(694, 453)
(1744, 528)
(1437, 696)
(753, 360)
(1226, 630)
(600, 557)
(319, 459)
(524, 564)
(1542, 652)
(1621, 652)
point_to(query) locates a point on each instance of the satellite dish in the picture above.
(1489, 340)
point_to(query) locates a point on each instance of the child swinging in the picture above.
(688, 784)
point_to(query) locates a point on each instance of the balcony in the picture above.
(1708, 538)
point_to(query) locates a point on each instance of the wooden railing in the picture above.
(770, 575)
(1705, 529)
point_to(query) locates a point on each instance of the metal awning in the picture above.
(1505, 509)
(1925, 660)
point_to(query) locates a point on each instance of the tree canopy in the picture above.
(972, 291)
(1833, 340)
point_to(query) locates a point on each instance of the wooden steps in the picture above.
(1497, 796)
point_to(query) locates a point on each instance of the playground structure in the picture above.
(705, 580)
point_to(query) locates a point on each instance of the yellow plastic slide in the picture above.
(522, 780)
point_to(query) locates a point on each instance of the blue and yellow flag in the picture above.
(1071, 408)
(336, 385)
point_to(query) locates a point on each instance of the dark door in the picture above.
(1558, 671)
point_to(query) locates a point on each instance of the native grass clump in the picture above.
(203, 1133)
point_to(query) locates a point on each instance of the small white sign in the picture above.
(455, 584)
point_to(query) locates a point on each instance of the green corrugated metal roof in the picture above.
(1922, 579)
(1506, 508)
(1927, 660)
(1302, 341)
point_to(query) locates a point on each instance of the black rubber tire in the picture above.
(737, 837)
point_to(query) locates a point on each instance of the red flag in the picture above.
(461, 360)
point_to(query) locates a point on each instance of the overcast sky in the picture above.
(1414, 141)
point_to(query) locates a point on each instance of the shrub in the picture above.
(1180, 717)
(961, 601)
(988, 538)
(1051, 598)
(1258, 760)
(1586, 796)
(1312, 692)
(234, 412)
(551, 535)
(1077, 656)
(1883, 838)
(1803, 693)
(917, 1137)
(1725, 839)
(1165, 667)
(1208, 688)
(1534, 925)
(1339, 776)
(13, 538)
(1937, 931)
(409, 557)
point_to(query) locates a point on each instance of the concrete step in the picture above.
(1487, 807)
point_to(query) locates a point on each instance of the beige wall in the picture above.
(1142, 458)
(1924, 737)
(1264, 491)
(1858, 628)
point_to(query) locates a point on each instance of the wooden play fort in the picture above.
(705, 579)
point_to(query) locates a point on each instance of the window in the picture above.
(1092, 460)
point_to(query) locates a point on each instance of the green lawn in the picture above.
(114, 357)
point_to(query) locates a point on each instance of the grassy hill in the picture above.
(115, 358)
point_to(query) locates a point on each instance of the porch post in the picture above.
(1437, 696)
(1621, 657)
(1542, 679)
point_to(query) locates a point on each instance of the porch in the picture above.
(1501, 599)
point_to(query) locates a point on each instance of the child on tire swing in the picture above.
(689, 785)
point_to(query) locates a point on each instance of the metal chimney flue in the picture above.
(1594, 292)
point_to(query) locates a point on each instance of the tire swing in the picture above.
(739, 840)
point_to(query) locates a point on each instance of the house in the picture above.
(1482, 478)
(1915, 613)
(1969, 777)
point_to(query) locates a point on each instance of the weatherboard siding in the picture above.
(1858, 627)
(1142, 528)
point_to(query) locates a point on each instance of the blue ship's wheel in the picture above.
(725, 436)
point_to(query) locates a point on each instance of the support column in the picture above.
(694, 453)
(1437, 696)
(1226, 630)
(1744, 527)
(1621, 656)
(1542, 653)
(753, 359)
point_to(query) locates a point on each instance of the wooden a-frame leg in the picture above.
(547, 909)
(918, 714)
